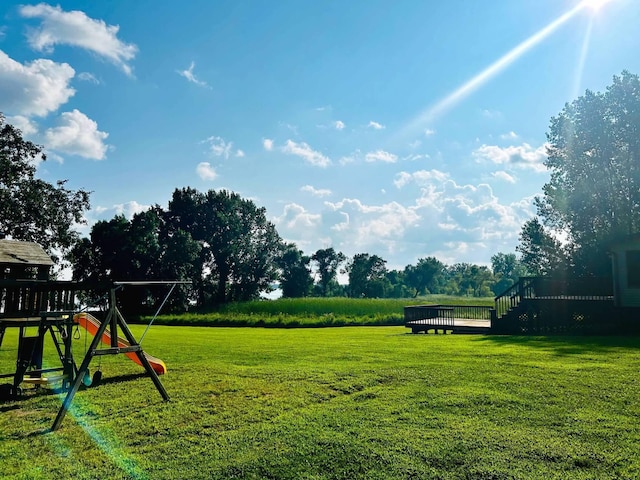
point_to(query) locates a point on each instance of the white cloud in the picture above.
(420, 178)
(520, 156)
(342, 226)
(219, 147)
(77, 134)
(305, 152)
(128, 209)
(288, 126)
(26, 126)
(205, 171)
(375, 125)
(351, 158)
(88, 77)
(429, 132)
(502, 175)
(267, 143)
(509, 136)
(454, 222)
(492, 114)
(415, 156)
(35, 88)
(362, 225)
(295, 217)
(339, 125)
(75, 28)
(316, 192)
(189, 75)
(381, 156)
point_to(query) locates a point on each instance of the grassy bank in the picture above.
(347, 403)
(312, 312)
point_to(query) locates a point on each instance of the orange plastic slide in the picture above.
(91, 324)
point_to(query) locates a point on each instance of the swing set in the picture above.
(51, 307)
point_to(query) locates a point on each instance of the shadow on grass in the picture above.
(121, 378)
(566, 345)
(7, 408)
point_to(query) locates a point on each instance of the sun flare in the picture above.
(595, 5)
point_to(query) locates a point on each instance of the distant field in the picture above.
(340, 403)
(314, 312)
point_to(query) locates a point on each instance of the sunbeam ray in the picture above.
(426, 117)
(577, 83)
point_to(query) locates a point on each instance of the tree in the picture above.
(367, 276)
(422, 276)
(327, 262)
(143, 248)
(542, 253)
(30, 208)
(593, 195)
(398, 288)
(507, 269)
(295, 275)
(238, 245)
(469, 279)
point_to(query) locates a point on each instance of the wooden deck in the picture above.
(453, 325)
(448, 319)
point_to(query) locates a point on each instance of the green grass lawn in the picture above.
(340, 403)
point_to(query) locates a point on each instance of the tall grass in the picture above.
(312, 312)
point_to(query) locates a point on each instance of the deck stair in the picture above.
(547, 306)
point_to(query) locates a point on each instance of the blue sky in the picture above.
(404, 129)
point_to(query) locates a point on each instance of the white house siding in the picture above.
(629, 297)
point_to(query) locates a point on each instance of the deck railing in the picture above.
(528, 288)
(28, 298)
(445, 315)
(472, 312)
(440, 315)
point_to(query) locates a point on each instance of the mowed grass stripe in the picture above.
(353, 402)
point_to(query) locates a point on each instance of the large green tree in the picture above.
(30, 208)
(295, 274)
(423, 276)
(469, 279)
(238, 244)
(328, 262)
(593, 195)
(143, 248)
(367, 276)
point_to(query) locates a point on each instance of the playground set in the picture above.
(29, 300)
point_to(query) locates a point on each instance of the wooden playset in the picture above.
(38, 307)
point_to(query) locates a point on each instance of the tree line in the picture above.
(227, 248)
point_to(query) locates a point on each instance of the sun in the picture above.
(595, 5)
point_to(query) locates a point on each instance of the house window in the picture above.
(633, 268)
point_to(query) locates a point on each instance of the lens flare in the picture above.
(427, 117)
(595, 5)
